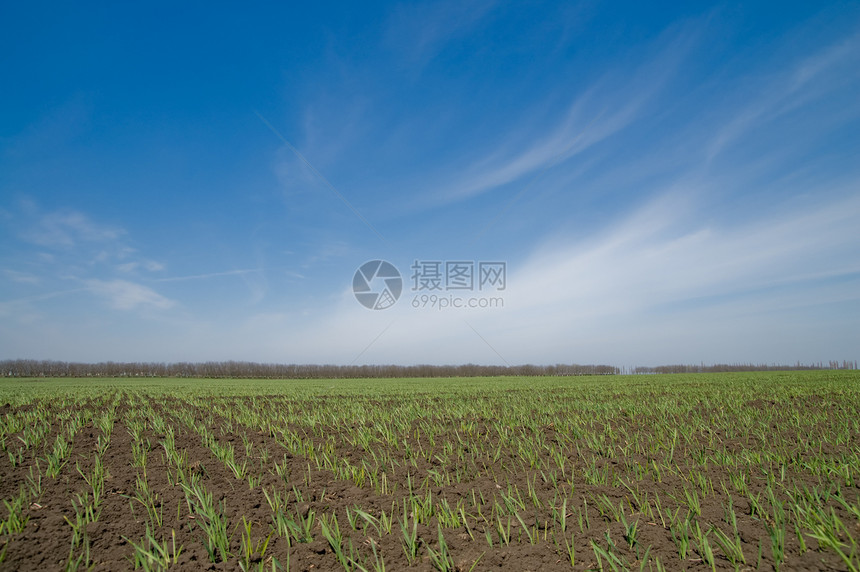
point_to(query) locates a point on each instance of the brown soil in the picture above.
(47, 538)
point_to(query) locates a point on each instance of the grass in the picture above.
(731, 471)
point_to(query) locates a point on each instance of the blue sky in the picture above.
(665, 184)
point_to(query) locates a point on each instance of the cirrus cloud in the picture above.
(125, 295)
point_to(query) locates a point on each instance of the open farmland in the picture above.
(699, 472)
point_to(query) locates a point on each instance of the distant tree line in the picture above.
(239, 369)
(723, 367)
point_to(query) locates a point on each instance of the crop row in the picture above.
(702, 473)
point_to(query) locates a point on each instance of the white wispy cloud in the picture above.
(842, 56)
(68, 247)
(67, 229)
(148, 265)
(783, 91)
(657, 257)
(664, 284)
(22, 306)
(657, 286)
(419, 31)
(601, 110)
(210, 275)
(125, 295)
(68, 244)
(21, 277)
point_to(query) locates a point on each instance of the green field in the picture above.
(731, 471)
